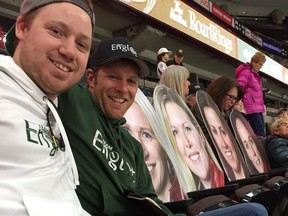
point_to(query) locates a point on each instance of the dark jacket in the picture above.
(277, 151)
(173, 62)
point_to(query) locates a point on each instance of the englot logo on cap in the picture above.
(123, 48)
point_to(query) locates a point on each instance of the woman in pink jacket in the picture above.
(248, 77)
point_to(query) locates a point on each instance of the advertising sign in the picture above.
(217, 11)
(189, 21)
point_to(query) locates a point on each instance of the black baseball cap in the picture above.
(28, 6)
(179, 52)
(110, 50)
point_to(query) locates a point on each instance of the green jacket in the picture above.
(109, 160)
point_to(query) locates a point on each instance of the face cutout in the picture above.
(222, 138)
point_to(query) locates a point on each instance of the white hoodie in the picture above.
(31, 181)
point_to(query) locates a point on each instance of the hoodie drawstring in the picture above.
(66, 141)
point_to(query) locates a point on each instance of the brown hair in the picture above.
(219, 87)
(160, 56)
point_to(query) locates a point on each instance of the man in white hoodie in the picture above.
(50, 45)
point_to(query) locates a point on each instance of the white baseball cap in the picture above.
(164, 50)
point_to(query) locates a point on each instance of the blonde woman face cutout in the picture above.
(155, 157)
(188, 141)
(222, 138)
(250, 146)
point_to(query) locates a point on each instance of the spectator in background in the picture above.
(225, 92)
(178, 58)
(277, 144)
(177, 78)
(248, 77)
(163, 56)
(191, 97)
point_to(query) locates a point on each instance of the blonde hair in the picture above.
(276, 124)
(163, 95)
(258, 57)
(163, 139)
(174, 77)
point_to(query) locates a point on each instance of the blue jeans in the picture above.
(242, 209)
(256, 121)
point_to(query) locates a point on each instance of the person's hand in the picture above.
(240, 107)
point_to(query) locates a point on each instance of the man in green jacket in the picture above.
(110, 161)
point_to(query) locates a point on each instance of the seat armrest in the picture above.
(226, 190)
